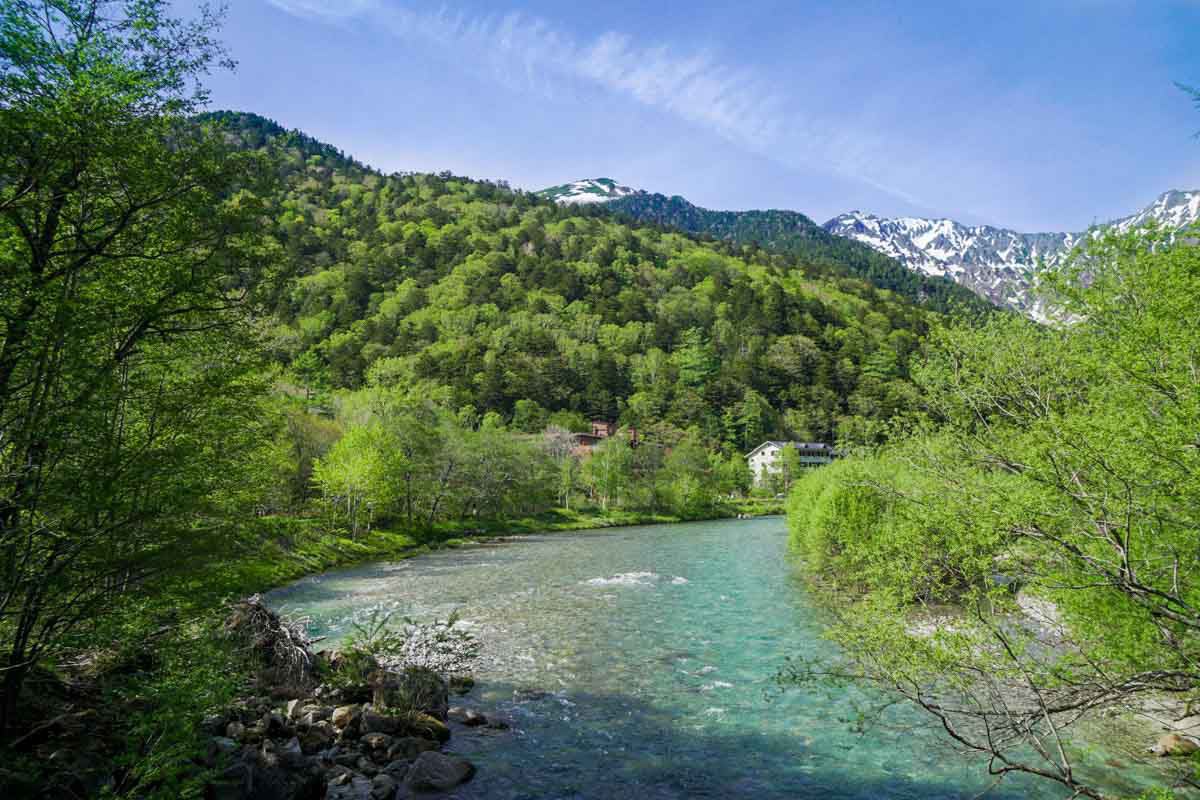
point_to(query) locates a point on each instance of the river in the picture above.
(638, 663)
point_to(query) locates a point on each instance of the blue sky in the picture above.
(1035, 115)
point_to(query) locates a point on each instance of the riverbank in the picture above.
(124, 715)
(291, 548)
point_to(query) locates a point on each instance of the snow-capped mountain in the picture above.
(591, 190)
(996, 263)
(1172, 210)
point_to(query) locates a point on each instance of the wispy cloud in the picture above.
(698, 86)
(517, 48)
(325, 9)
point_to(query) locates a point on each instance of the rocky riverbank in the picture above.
(312, 747)
(357, 734)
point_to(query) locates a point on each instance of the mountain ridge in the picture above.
(587, 190)
(999, 264)
(787, 232)
(994, 263)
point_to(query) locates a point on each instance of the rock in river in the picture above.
(437, 772)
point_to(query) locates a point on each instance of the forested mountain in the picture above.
(787, 232)
(499, 300)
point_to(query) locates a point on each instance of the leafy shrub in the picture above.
(440, 647)
(877, 524)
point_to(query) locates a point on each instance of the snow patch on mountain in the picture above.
(996, 263)
(590, 190)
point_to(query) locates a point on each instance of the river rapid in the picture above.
(640, 663)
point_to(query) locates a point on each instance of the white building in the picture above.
(764, 459)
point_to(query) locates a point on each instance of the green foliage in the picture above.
(608, 472)
(193, 671)
(351, 476)
(413, 461)
(371, 642)
(420, 689)
(1051, 498)
(418, 652)
(494, 299)
(878, 526)
(794, 234)
(689, 479)
(129, 379)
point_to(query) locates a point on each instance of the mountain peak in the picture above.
(995, 263)
(1175, 208)
(588, 190)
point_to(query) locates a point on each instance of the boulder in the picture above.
(377, 741)
(438, 772)
(340, 776)
(235, 730)
(343, 715)
(383, 787)
(415, 688)
(291, 755)
(461, 684)
(467, 716)
(214, 724)
(273, 724)
(318, 737)
(428, 727)
(374, 722)
(1172, 744)
(223, 746)
(314, 712)
(353, 787)
(249, 779)
(409, 748)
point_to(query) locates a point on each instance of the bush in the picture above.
(441, 647)
(877, 524)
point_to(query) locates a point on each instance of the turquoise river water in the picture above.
(639, 663)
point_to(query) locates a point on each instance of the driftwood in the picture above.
(282, 645)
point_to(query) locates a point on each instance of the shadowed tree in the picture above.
(123, 345)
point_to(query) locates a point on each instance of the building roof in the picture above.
(798, 445)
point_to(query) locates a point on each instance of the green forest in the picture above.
(795, 234)
(490, 298)
(231, 355)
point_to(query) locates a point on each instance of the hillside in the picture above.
(787, 232)
(506, 302)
